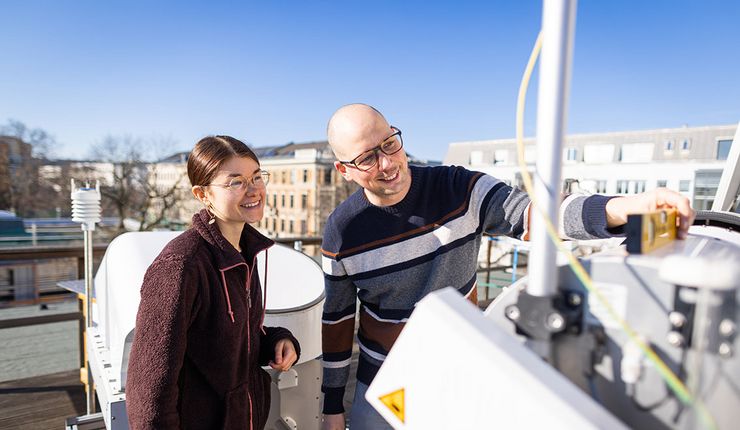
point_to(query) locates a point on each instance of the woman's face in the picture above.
(237, 204)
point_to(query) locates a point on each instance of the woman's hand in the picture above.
(285, 355)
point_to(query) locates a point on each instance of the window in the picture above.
(662, 183)
(304, 231)
(668, 145)
(305, 175)
(598, 153)
(274, 200)
(686, 145)
(639, 187)
(706, 183)
(594, 185)
(282, 225)
(273, 224)
(291, 200)
(636, 152)
(304, 201)
(683, 186)
(622, 187)
(500, 156)
(290, 226)
(723, 149)
(571, 154)
(292, 176)
(282, 200)
(327, 177)
(476, 157)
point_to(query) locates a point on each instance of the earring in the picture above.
(209, 209)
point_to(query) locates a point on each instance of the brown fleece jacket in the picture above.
(198, 346)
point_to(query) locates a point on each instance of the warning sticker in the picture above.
(395, 402)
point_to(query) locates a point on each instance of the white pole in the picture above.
(86, 211)
(558, 28)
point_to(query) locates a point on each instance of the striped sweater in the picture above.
(391, 257)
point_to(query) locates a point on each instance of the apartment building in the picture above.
(689, 160)
(304, 188)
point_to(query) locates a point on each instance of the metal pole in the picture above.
(514, 263)
(558, 28)
(89, 295)
(86, 211)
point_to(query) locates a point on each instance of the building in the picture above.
(304, 188)
(686, 159)
(170, 175)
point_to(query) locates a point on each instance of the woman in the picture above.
(199, 342)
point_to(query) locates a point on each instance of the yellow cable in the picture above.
(670, 378)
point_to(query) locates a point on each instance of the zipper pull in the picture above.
(249, 299)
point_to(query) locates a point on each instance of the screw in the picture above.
(727, 327)
(677, 319)
(675, 339)
(555, 322)
(513, 313)
(724, 350)
(574, 299)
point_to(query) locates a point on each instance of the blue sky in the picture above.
(273, 72)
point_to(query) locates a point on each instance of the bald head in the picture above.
(352, 124)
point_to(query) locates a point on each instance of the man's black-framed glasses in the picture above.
(369, 158)
(259, 180)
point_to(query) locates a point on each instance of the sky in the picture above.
(273, 72)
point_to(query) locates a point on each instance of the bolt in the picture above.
(727, 327)
(513, 313)
(555, 322)
(675, 339)
(574, 299)
(724, 350)
(677, 319)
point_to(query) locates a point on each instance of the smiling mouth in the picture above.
(251, 205)
(390, 178)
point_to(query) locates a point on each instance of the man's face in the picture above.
(388, 181)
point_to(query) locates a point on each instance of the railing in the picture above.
(32, 277)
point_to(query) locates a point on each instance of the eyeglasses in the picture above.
(259, 180)
(369, 158)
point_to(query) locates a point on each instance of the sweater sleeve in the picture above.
(508, 211)
(270, 338)
(168, 301)
(337, 331)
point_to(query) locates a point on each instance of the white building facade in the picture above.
(689, 160)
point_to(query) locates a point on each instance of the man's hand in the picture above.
(332, 422)
(618, 208)
(285, 355)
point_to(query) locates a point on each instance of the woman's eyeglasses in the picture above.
(259, 180)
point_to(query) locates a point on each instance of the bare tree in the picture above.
(22, 149)
(134, 189)
(41, 141)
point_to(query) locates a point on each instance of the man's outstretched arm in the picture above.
(618, 208)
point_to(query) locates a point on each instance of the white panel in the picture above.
(637, 152)
(460, 370)
(598, 153)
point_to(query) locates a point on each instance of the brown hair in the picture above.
(210, 152)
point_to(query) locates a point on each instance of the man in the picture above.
(412, 230)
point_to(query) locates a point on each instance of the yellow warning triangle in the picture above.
(395, 402)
